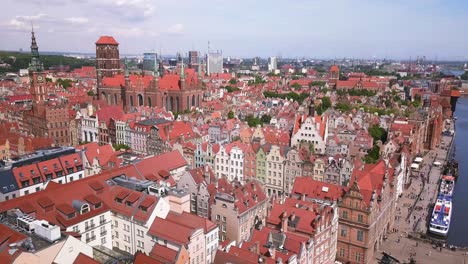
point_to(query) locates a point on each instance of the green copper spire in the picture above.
(182, 72)
(35, 64)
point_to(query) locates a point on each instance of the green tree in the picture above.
(231, 89)
(265, 119)
(231, 115)
(373, 155)
(253, 121)
(120, 147)
(91, 93)
(65, 83)
(233, 81)
(326, 103)
(296, 86)
(378, 133)
(316, 83)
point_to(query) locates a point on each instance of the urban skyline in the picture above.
(318, 29)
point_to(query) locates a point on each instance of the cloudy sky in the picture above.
(244, 28)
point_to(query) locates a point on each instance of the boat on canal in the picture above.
(441, 216)
(447, 185)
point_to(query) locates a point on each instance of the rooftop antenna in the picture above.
(208, 46)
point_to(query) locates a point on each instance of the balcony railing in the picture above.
(89, 239)
(103, 233)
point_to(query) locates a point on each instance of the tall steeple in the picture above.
(35, 65)
(156, 66)
(182, 71)
(182, 76)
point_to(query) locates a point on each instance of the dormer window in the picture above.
(71, 215)
(25, 183)
(84, 209)
(33, 172)
(143, 208)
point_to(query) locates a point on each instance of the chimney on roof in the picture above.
(272, 251)
(284, 221)
(303, 197)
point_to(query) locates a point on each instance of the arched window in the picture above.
(140, 100)
(131, 100)
(116, 102)
(84, 209)
(149, 101)
(193, 100)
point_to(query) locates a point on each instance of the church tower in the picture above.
(36, 73)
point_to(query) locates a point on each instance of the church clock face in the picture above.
(40, 78)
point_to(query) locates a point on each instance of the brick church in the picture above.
(45, 118)
(177, 91)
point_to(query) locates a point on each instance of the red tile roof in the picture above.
(109, 40)
(163, 253)
(9, 236)
(317, 189)
(142, 258)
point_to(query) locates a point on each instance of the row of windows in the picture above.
(359, 233)
(357, 256)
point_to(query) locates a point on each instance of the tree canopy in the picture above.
(378, 133)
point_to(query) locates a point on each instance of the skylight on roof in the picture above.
(324, 189)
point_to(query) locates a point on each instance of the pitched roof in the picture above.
(109, 40)
(317, 189)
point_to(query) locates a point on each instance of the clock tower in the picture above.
(36, 73)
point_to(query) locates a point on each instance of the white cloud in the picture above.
(133, 9)
(176, 29)
(31, 18)
(77, 20)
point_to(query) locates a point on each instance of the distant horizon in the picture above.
(122, 56)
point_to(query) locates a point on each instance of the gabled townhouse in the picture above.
(292, 169)
(310, 220)
(319, 167)
(230, 161)
(367, 212)
(195, 182)
(274, 178)
(236, 208)
(261, 163)
(325, 194)
(98, 158)
(199, 236)
(312, 130)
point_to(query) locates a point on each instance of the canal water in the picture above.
(458, 233)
